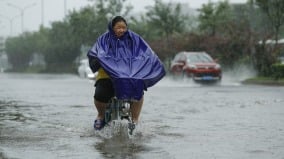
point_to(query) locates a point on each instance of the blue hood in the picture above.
(129, 61)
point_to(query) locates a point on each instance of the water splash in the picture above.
(239, 73)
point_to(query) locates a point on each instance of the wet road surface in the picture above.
(51, 116)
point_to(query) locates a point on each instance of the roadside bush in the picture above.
(277, 71)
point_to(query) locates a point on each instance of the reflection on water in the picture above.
(117, 143)
(10, 110)
(2, 156)
(120, 147)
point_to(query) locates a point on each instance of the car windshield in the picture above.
(199, 57)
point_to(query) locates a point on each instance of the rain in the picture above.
(47, 87)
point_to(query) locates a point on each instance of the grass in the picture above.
(264, 81)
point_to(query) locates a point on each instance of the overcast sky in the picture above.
(54, 10)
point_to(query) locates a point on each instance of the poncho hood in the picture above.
(129, 61)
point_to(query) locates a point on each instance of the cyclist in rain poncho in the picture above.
(126, 67)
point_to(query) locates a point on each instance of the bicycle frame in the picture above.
(119, 110)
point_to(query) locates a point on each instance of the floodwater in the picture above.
(51, 116)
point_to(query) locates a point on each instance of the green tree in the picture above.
(166, 18)
(91, 21)
(16, 55)
(272, 20)
(20, 50)
(214, 17)
(40, 40)
(62, 48)
(107, 9)
(274, 9)
(84, 25)
(142, 27)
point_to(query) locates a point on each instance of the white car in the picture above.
(85, 71)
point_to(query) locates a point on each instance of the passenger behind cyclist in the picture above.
(126, 67)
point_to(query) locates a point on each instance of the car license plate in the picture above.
(207, 78)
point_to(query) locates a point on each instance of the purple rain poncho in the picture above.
(129, 61)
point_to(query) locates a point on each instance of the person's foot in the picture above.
(131, 127)
(135, 121)
(99, 124)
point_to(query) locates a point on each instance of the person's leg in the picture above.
(104, 92)
(101, 107)
(136, 109)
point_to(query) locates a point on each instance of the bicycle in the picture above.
(118, 110)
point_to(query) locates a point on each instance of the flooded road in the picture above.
(51, 116)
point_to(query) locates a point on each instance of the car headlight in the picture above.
(192, 66)
(217, 66)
